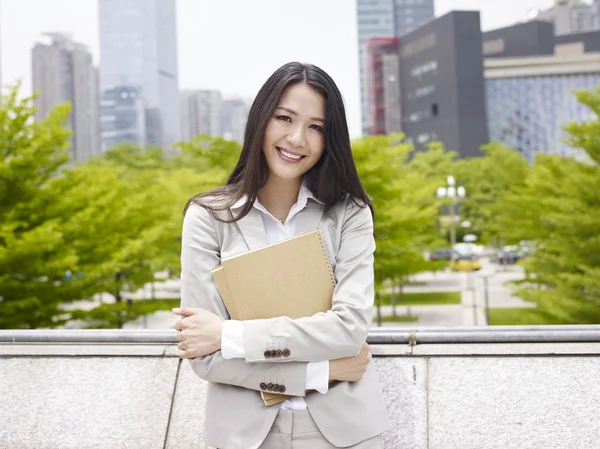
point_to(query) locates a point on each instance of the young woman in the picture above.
(295, 174)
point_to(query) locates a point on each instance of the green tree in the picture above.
(487, 179)
(405, 206)
(33, 256)
(558, 208)
(119, 227)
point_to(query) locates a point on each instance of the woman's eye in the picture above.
(285, 118)
(317, 127)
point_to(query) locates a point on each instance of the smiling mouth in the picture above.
(288, 155)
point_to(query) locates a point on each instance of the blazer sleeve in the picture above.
(341, 331)
(200, 253)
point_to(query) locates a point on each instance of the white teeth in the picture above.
(291, 156)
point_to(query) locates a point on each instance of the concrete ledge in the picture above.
(70, 391)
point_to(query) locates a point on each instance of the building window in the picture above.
(422, 91)
(422, 138)
(419, 71)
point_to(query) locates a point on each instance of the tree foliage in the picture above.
(404, 202)
(33, 256)
(558, 208)
(487, 179)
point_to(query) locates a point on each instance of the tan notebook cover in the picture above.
(291, 278)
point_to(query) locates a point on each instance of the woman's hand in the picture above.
(199, 332)
(350, 369)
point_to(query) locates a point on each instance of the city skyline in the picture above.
(138, 57)
(234, 56)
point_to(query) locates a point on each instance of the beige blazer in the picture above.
(235, 416)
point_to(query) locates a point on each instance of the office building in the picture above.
(441, 83)
(387, 18)
(234, 117)
(530, 98)
(63, 72)
(537, 38)
(138, 53)
(383, 108)
(123, 117)
(201, 113)
(523, 39)
(568, 16)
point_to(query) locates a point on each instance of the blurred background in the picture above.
(475, 129)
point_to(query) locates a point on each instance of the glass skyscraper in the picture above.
(528, 113)
(387, 18)
(138, 73)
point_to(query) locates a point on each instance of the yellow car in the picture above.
(467, 263)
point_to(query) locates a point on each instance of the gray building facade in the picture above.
(569, 16)
(201, 113)
(138, 53)
(537, 38)
(522, 39)
(442, 84)
(234, 116)
(387, 18)
(123, 117)
(63, 72)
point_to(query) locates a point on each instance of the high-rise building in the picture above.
(387, 18)
(201, 113)
(138, 53)
(442, 85)
(123, 117)
(383, 109)
(235, 116)
(529, 98)
(63, 71)
(597, 14)
(568, 16)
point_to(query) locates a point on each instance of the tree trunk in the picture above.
(393, 299)
(118, 298)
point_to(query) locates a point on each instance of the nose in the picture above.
(296, 136)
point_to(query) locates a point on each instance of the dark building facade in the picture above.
(589, 40)
(537, 39)
(442, 84)
(523, 39)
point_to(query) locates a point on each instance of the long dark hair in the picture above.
(333, 176)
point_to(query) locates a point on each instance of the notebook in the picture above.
(291, 278)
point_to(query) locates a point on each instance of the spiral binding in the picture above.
(327, 259)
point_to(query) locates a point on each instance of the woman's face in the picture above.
(294, 139)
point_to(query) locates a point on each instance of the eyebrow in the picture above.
(291, 111)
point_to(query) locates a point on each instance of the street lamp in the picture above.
(454, 194)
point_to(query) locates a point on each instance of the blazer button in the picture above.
(278, 353)
(282, 388)
(263, 386)
(270, 387)
(286, 352)
(275, 387)
(267, 354)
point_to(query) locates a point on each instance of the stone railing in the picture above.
(446, 388)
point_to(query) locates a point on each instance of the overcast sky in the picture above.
(233, 45)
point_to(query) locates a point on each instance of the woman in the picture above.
(295, 174)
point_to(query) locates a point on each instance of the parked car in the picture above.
(467, 263)
(462, 262)
(441, 254)
(508, 257)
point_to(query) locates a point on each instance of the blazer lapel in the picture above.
(310, 217)
(253, 230)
